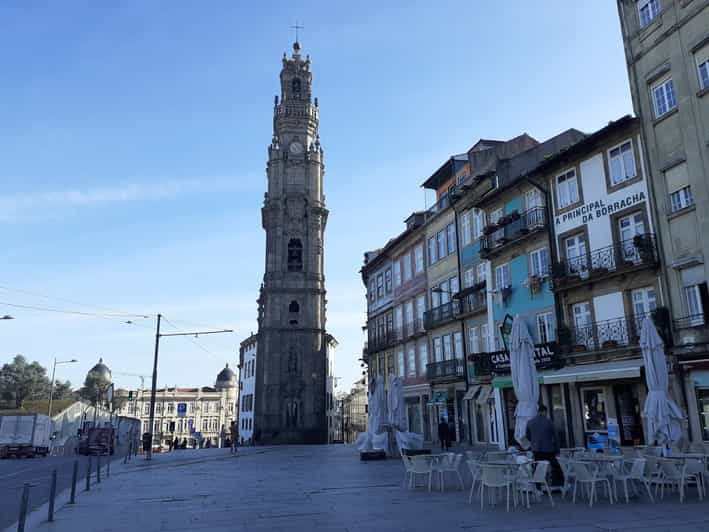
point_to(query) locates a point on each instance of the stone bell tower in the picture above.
(290, 404)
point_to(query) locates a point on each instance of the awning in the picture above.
(619, 369)
(484, 395)
(470, 394)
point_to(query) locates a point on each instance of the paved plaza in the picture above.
(326, 488)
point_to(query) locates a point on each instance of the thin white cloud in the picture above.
(36, 205)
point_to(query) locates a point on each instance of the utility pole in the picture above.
(151, 419)
(153, 390)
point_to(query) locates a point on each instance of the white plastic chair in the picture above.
(495, 477)
(636, 474)
(528, 485)
(694, 471)
(407, 469)
(569, 475)
(419, 465)
(588, 474)
(672, 474)
(475, 471)
(447, 463)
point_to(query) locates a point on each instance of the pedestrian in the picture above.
(233, 429)
(176, 444)
(545, 445)
(184, 443)
(169, 445)
(443, 435)
(451, 432)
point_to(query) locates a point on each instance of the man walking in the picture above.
(545, 446)
(443, 435)
(234, 434)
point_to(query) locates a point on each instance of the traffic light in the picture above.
(130, 395)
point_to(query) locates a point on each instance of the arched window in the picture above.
(295, 255)
(294, 307)
(296, 87)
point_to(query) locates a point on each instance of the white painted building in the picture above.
(247, 388)
(331, 385)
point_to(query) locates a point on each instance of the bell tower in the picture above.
(290, 405)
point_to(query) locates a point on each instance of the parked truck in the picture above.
(97, 440)
(25, 435)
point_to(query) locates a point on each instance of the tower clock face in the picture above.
(296, 148)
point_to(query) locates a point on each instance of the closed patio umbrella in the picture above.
(524, 378)
(663, 416)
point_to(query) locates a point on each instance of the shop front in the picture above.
(417, 399)
(696, 383)
(481, 413)
(447, 404)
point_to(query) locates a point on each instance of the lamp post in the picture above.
(54, 370)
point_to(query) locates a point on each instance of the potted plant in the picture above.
(609, 344)
(489, 229)
(514, 216)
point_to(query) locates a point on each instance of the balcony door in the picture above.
(577, 255)
(583, 324)
(628, 228)
(644, 302)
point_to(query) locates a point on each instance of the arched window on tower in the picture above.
(296, 87)
(293, 310)
(295, 255)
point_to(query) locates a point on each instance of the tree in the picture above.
(94, 389)
(20, 381)
(62, 390)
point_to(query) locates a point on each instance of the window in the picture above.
(441, 238)
(372, 292)
(629, 227)
(423, 357)
(420, 308)
(447, 347)
(681, 199)
(647, 11)
(390, 364)
(502, 276)
(495, 216)
(398, 318)
(418, 258)
(481, 272)
(411, 360)
(451, 239)
(484, 342)
(435, 298)
(703, 67)
(545, 327)
(695, 309)
(468, 278)
(453, 285)
(478, 223)
(400, 362)
(567, 191)
(407, 266)
(576, 259)
(409, 314)
(539, 261)
(582, 323)
(437, 349)
(622, 163)
(432, 255)
(387, 280)
(170, 408)
(663, 97)
(294, 308)
(533, 198)
(644, 302)
(474, 339)
(380, 285)
(458, 345)
(445, 292)
(594, 409)
(397, 272)
(146, 409)
(295, 255)
(465, 228)
(389, 322)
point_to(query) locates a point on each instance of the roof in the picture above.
(446, 171)
(586, 143)
(226, 374)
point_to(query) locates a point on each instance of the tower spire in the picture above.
(296, 44)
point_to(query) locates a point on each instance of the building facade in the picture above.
(354, 412)
(247, 388)
(291, 374)
(200, 416)
(667, 55)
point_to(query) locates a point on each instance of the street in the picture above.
(327, 488)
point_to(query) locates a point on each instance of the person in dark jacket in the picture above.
(545, 445)
(443, 436)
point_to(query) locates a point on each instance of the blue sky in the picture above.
(134, 140)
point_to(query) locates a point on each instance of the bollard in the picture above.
(52, 496)
(88, 476)
(98, 469)
(23, 507)
(74, 475)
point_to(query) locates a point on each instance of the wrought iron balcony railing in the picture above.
(441, 314)
(475, 302)
(640, 251)
(519, 225)
(694, 320)
(610, 334)
(446, 369)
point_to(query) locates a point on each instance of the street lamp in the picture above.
(51, 384)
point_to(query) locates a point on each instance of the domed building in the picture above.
(101, 371)
(196, 417)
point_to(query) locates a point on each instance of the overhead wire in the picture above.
(194, 341)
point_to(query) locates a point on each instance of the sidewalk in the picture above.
(327, 488)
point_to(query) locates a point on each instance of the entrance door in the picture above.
(558, 413)
(628, 228)
(628, 409)
(583, 325)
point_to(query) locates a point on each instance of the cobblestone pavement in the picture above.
(321, 489)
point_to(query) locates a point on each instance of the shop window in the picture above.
(594, 409)
(703, 406)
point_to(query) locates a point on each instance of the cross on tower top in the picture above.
(296, 28)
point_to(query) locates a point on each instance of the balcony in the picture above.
(692, 329)
(612, 334)
(473, 303)
(621, 257)
(441, 314)
(446, 370)
(512, 228)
